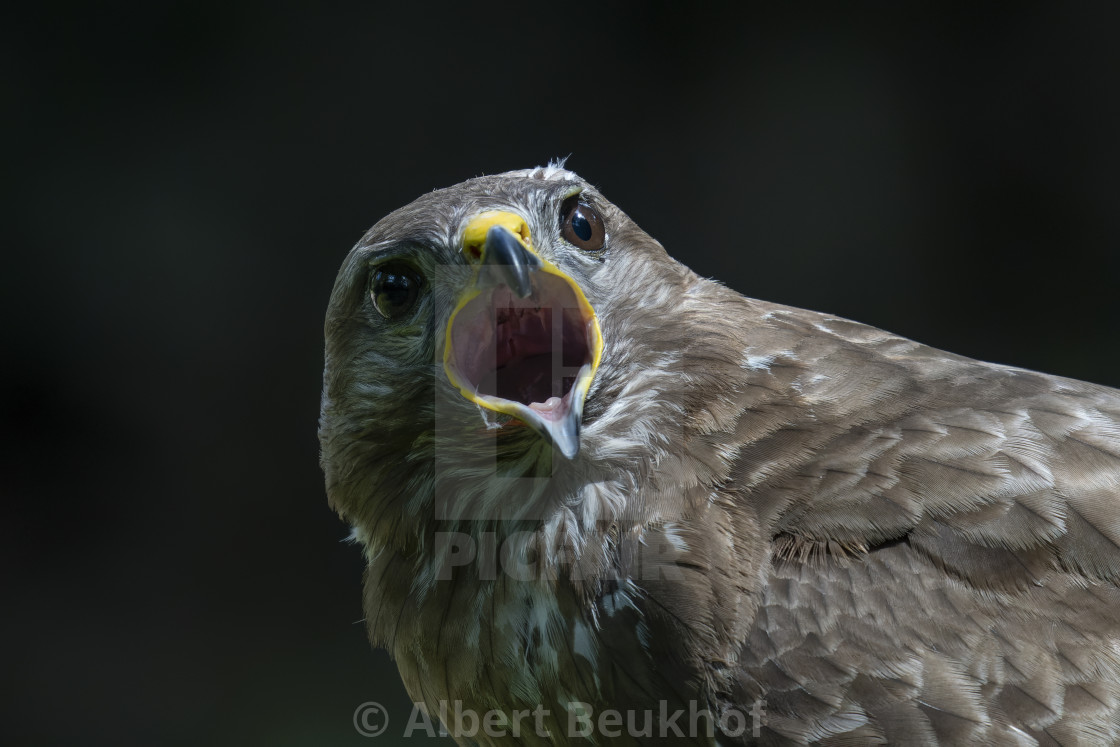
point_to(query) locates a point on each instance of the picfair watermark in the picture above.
(489, 555)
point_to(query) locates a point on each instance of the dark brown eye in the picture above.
(581, 226)
(394, 288)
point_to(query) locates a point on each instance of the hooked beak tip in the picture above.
(506, 255)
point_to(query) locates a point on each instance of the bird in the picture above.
(604, 500)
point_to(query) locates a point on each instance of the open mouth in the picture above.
(523, 339)
(524, 353)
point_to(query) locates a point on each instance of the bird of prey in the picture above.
(604, 500)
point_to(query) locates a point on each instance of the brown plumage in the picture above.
(866, 540)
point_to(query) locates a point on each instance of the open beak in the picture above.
(523, 339)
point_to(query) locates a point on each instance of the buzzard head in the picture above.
(489, 331)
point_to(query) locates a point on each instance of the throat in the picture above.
(529, 379)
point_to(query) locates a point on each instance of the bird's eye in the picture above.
(581, 225)
(394, 288)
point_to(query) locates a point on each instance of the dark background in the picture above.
(183, 180)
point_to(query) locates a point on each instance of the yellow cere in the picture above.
(474, 236)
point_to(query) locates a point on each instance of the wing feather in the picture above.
(945, 540)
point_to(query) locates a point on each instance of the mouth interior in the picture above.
(527, 350)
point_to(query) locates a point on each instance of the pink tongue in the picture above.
(552, 408)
